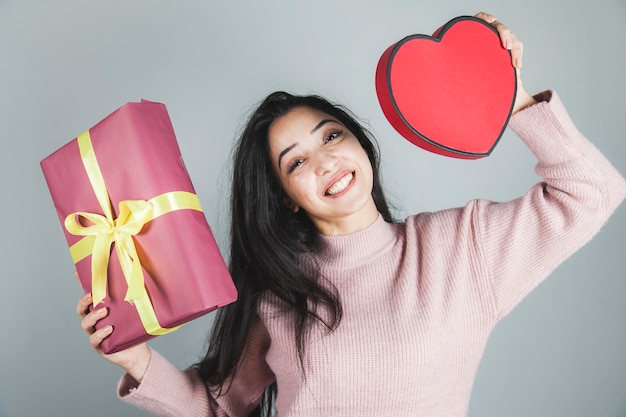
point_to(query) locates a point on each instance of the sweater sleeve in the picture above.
(523, 240)
(167, 391)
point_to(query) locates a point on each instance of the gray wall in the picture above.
(65, 64)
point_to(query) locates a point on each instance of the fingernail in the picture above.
(489, 17)
(106, 329)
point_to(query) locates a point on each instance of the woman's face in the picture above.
(323, 170)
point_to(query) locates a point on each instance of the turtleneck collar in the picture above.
(356, 248)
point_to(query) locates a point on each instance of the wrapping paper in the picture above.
(173, 259)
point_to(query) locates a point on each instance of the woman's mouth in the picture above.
(340, 185)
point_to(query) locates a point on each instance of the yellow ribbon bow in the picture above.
(105, 230)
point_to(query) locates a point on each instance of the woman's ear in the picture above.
(291, 206)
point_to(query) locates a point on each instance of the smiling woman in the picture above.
(324, 170)
(281, 172)
(342, 311)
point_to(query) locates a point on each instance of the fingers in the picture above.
(517, 52)
(89, 320)
(486, 17)
(82, 308)
(508, 38)
(98, 336)
(517, 49)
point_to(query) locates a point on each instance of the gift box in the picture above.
(135, 227)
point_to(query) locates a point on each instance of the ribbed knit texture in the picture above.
(420, 298)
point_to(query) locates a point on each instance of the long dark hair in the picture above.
(267, 240)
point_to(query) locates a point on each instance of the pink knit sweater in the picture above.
(420, 298)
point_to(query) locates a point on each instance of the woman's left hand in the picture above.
(516, 47)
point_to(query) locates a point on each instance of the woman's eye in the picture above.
(295, 165)
(333, 136)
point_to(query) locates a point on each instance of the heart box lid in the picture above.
(451, 93)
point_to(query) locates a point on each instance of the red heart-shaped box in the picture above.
(451, 93)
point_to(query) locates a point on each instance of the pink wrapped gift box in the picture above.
(184, 273)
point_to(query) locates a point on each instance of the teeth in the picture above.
(340, 185)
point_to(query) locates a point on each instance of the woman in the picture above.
(342, 312)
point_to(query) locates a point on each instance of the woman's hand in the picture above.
(510, 42)
(133, 360)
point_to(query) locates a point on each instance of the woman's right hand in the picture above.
(133, 360)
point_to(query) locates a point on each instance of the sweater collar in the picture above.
(356, 248)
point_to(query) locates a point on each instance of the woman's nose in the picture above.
(325, 162)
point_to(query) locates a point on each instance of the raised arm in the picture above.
(525, 239)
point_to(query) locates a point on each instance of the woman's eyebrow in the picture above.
(322, 123)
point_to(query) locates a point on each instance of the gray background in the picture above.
(66, 64)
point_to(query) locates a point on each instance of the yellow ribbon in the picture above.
(104, 230)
